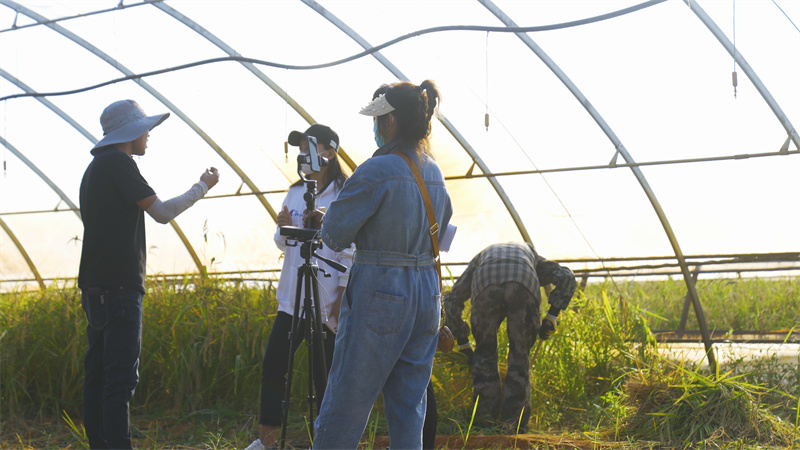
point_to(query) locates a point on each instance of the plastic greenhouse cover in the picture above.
(570, 107)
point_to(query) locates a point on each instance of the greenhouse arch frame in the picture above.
(500, 210)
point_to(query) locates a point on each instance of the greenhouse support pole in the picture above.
(99, 53)
(41, 175)
(200, 266)
(686, 302)
(23, 253)
(620, 149)
(155, 93)
(72, 206)
(67, 118)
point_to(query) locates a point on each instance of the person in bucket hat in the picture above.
(113, 198)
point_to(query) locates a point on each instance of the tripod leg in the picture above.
(308, 319)
(319, 337)
(309, 316)
(317, 366)
(293, 335)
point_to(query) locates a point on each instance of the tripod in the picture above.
(309, 313)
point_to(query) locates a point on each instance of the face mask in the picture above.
(305, 168)
(378, 138)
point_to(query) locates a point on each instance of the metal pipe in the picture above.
(66, 117)
(74, 208)
(687, 302)
(97, 52)
(199, 264)
(78, 16)
(45, 178)
(632, 164)
(746, 257)
(24, 254)
(580, 273)
(155, 93)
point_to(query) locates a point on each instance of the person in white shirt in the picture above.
(330, 180)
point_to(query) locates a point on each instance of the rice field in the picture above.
(599, 382)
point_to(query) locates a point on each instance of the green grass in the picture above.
(671, 404)
(201, 366)
(728, 303)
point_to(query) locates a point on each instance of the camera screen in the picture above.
(313, 153)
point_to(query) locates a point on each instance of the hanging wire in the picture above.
(76, 16)
(577, 227)
(569, 213)
(541, 173)
(286, 121)
(486, 117)
(366, 52)
(787, 16)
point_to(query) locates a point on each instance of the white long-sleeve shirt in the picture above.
(328, 286)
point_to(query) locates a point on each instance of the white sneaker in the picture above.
(256, 445)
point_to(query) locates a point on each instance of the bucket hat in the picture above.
(324, 135)
(124, 121)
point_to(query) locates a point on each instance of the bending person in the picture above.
(503, 282)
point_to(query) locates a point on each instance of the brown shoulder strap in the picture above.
(434, 227)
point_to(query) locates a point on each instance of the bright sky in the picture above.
(657, 77)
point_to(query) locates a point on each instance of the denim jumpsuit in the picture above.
(389, 319)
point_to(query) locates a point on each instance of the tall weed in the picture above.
(203, 344)
(728, 303)
(42, 353)
(598, 339)
(201, 348)
(681, 407)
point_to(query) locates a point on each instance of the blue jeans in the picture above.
(111, 364)
(385, 344)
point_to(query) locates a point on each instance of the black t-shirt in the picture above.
(114, 248)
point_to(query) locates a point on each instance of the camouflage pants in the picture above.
(506, 401)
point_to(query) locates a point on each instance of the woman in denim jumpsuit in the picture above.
(389, 319)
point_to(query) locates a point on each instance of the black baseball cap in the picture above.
(323, 133)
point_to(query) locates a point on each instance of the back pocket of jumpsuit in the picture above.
(386, 313)
(95, 304)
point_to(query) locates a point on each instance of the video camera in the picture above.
(315, 162)
(300, 234)
(313, 159)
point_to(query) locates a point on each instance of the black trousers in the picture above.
(431, 419)
(275, 366)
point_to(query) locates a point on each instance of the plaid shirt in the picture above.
(513, 261)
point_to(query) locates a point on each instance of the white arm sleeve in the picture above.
(345, 258)
(163, 212)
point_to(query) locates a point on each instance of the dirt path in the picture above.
(522, 441)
